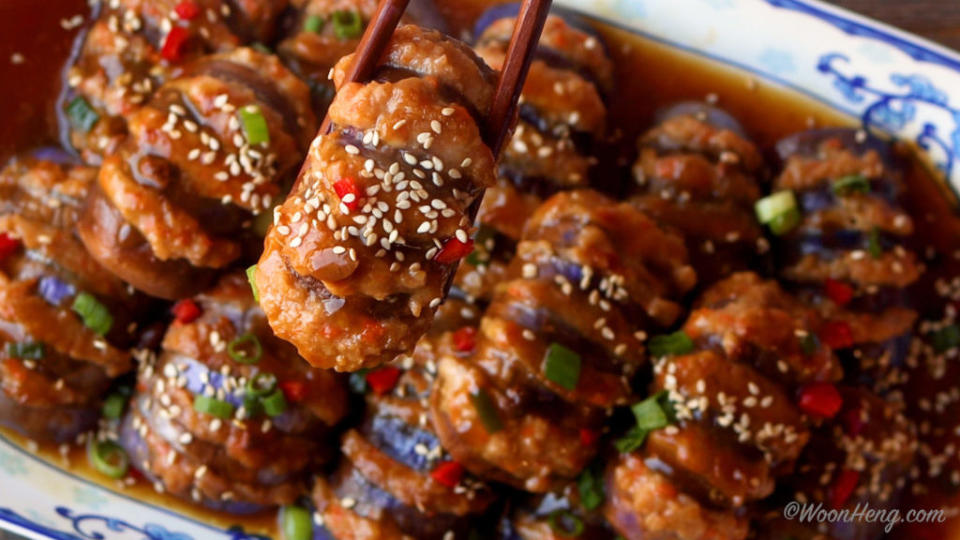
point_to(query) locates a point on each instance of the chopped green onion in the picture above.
(854, 183)
(297, 523)
(562, 366)
(213, 406)
(314, 23)
(632, 440)
(260, 47)
(809, 344)
(946, 338)
(113, 406)
(275, 403)
(655, 412)
(564, 522)
(873, 243)
(81, 114)
(649, 414)
(347, 24)
(252, 278)
(670, 344)
(107, 457)
(590, 488)
(254, 125)
(95, 315)
(237, 349)
(30, 350)
(252, 406)
(487, 411)
(778, 211)
(261, 384)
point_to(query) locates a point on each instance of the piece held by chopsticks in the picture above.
(361, 251)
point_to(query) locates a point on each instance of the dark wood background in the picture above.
(938, 20)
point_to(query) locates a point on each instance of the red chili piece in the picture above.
(837, 335)
(384, 379)
(347, 186)
(448, 473)
(173, 45)
(465, 339)
(294, 391)
(820, 399)
(841, 293)
(843, 487)
(186, 311)
(187, 10)
(453, 251)
(588, 436)
(8, 246)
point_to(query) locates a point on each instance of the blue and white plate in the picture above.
(890, 80)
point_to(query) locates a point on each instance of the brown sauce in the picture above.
(650, 75)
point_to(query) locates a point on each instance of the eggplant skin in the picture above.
(56, 425)
(713, 116)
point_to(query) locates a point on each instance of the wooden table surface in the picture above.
(937, 20)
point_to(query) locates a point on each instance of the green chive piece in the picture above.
(649, 414)
(252, 406)
(252, 278)
(274, 404)
(314, 24)
(347, 24)
(297, 523)
(565, 523)
(81, 114)
(113, 406)
(213, 406)
(670, 344)
(358, 381)
(30, 350)
(946, 338)
(562, 366)
(809, 344)
(778, 211)
(487, 411)
(245, 349)
(846, 185)
(631, 440)
(261, 384)
(107, 457)
(260, 47)
(590, 488)
(95, 315)
(873, 243)
(254, 125)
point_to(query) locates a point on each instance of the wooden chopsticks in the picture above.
(523, 44)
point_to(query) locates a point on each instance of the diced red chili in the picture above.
(348, 186)
(820, 399)
(187, 10)
(384, 379)
(186, 311)
(465, 339)
(837, 335)
(588, 436)
(8, 246)
(843, 487)
(841, 293)
(448, 473)
(174, 44)
(453, 250)
(294, 391)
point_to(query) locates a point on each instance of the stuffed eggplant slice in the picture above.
(215, 146)
(65, 321)
(361, 251)
(395, 479)
(736, 392)
(227, 415)
(562, 115)
(843, 246)
(560, 341)
(697, 173)
(134, 46)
